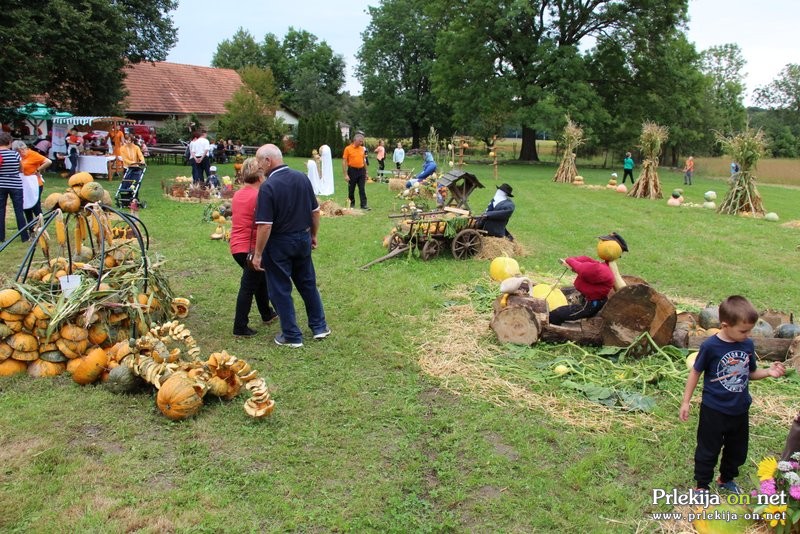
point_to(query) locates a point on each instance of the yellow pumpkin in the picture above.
(43, 310)
(609, 250)
(23, 341)
(179, 397)
(21, 307)
(5, 351)
(554, 296)
(8, 297)
(42, 368)
(73, 332)
(12, 367)
(503, 267)
(91, 367)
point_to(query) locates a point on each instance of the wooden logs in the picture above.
(635, 309)
(767, 348)
(584, 332)
(520, 320)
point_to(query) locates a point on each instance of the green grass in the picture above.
(361, 439)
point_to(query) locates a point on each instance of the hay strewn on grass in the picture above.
(329, 208)
(498, 246)
(462, 359)
(397, 184)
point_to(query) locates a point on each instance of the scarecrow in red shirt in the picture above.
(594, 282)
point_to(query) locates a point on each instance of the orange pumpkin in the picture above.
(21, 307)
(73, 332)
(91, 367)
(72, 365)
(98, 334)
(80, 178)
(12, 367)
(23, 341)
(92, 192)
(51, 201)
(179, 397)
(8, 297)
(42, 368)
(5, 350)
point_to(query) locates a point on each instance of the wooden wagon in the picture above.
(431, 232)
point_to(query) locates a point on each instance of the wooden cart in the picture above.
(431, 232)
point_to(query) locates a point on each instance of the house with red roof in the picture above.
(157, 91)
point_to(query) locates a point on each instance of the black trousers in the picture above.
(381, 163)
(358, 177)
(253, 284)
(626, 173)
(573, 312)
(717, 432)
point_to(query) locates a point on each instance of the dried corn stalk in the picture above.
(651, 140)
(745, 148)
(571, 138)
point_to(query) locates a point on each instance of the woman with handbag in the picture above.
(243, 240)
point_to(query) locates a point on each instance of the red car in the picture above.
(147, 133)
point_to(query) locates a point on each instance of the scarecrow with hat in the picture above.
(592, 285)
(497, 214)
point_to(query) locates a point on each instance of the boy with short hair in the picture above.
(727, 361)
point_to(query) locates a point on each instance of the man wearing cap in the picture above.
(497, 214)
(594, 282)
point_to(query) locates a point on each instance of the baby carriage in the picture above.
(129, 187)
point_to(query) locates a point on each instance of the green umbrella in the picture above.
(35, 112)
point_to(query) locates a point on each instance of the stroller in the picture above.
(129, 187)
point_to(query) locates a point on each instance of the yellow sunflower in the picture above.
(767, 468)
(776, 513)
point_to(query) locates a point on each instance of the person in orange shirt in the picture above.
(130, 153)
(688, 171)
(355, 171)
(380, 154)
(116, 137)
(33, 164)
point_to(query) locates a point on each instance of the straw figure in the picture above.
(572, 138)
(746, 148)
(652, 138)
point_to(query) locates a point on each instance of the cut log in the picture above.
(636, 309)
(767, 348)
(583, 332)
(536, 306)
(516, 324)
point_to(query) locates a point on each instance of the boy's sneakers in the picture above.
(280, 340)
(730, 486)
(322, 335)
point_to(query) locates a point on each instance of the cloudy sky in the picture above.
(765, 31)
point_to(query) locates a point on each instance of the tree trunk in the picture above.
(415, 134)
(584, 332)
(636, 309)
(528, 150)
(767, 348)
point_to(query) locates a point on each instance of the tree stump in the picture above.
(520, 320)
(634, 310)
(583, 332)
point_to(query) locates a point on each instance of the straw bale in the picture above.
(498, 246)
(397, 184)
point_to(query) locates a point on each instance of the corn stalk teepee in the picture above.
(746, 148)
(572, 138)
(651, 139)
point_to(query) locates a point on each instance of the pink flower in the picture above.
(768, 486)
(794, 491)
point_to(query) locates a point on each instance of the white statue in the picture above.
(326, 182)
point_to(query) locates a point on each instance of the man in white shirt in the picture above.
(201, 163)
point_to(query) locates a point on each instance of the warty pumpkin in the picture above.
(92, 192)
(73, 332)
(23, 341)
(21, 307)
(179, 397)
(80, 178)
(5, 350)
(69, 202)
(25, 355)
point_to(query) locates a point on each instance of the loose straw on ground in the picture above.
(498, 246)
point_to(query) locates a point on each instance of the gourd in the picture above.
(80, 179)
(762, 328)
(92, 192)
(622, 188)
(69, 202)
(709, 317)
(503, 267)
(710, 205)
(51, 201)
(710, 196)
(8, 297)
(179, 397)
(788, 330)
(771, 217)
(554, 296)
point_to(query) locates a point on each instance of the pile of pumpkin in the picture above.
(769, 324)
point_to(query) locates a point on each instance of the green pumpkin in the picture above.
(53, 356)
(763, 329)
(122, 380)
(787, 331)
(709, 317)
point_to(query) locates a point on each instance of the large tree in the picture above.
(724, 64)
(395, 63)
(74, 54)
(308, 73)
(511, 54)
(250, 114)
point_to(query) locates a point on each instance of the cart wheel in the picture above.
(430, 249)
(395, 242)
(466, 244)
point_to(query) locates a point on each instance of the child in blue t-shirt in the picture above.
(727, 362)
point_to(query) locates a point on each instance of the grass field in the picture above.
(363, 439)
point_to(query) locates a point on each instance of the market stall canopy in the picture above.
(91, 121)
(36, 111)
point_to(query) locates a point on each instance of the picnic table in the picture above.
(174, 154)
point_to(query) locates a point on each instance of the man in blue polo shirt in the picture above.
(287, 218)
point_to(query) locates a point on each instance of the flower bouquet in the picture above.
(779, 494)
